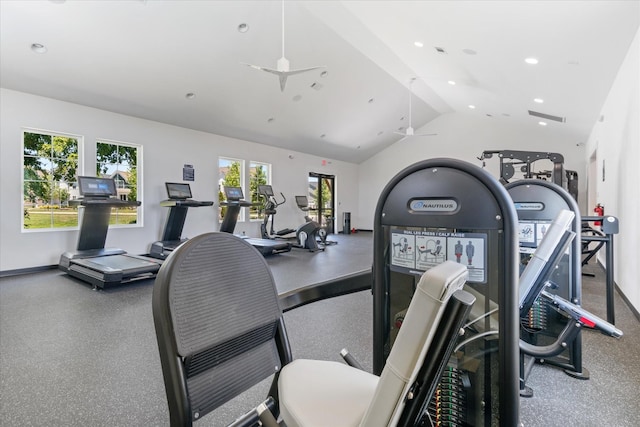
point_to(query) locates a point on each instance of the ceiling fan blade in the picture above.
(400, 133)
(304, 70)
(425, 134)
(257, 67)
(282, 75)
(283, 80)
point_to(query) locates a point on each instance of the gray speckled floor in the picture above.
(611, 397)
(71, 356)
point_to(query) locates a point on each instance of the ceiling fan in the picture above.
(282, 67)
(410, 131)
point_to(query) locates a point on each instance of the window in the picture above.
(49, 166)
(259, 174)
(229, 175)
(120, 161)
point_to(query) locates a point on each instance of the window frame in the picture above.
(139, 175)
(221, 197)
(79, 171)
(259, 211)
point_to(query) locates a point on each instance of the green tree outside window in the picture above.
(120, 162)
(50, 165)
(258, 175)
(230, 175)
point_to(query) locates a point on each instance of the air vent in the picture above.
(548, 116)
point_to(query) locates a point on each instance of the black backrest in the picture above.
(218, 324)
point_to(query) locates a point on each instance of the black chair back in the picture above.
(218, 323)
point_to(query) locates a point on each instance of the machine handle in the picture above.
(582, 316)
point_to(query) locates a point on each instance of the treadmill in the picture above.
(91, 261)
(235, 201)
(179, 201)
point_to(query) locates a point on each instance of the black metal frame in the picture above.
(565, 178)
(553, 198)
(610, 226)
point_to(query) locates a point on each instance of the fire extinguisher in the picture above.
(599, 210)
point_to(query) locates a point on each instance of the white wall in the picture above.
(465, 136)
(615, 140)
(165, 150)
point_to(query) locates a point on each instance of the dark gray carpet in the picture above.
(71, 356)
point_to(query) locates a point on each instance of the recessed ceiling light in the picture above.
(380, 133)
(270, 120)
(542, 123)
(370, 101)
(418, 44)
(297, 98)
(440, 49)
(532, 61)
(472, 106)
(324, 74)
(38, 48)
(451, 82)
(469, 51)
(538, 100)
(190, 95)
(243, 28)
(323, 135)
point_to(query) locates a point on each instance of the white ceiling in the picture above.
(141, 58)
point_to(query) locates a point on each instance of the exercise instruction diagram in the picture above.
(416, 251)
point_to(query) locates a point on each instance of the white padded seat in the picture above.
(329, 394)
(317, 393)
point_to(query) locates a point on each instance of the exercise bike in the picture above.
(311, 226)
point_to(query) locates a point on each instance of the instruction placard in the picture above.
(416, 251)
(530, 234)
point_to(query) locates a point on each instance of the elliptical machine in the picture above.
(270, 209)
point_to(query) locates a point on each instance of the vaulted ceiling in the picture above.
(143, 58)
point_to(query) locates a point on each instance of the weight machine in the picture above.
(509, 159)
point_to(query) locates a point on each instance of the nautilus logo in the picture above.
(434, 205)
(529, 206)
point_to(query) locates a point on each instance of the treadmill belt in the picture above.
(268, 247)
(124, 263)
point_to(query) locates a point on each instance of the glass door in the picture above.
(321, 195)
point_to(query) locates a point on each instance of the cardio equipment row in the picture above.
(310, 235)
(106, 267)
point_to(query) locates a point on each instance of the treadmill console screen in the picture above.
(233, 193)
(267, 190)
(91, 186)
(178, 191)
